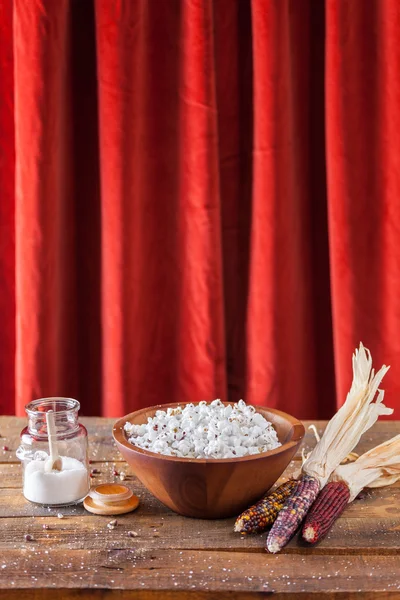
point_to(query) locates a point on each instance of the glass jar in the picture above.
(71, 483)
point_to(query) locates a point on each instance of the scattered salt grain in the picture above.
(60, 516)
(112, 524)
(213, 430)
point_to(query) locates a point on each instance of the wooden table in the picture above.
(176, 558)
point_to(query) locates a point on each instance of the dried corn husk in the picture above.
(357, 415)
(376, 468)
(351, 457)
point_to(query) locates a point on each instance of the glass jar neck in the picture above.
(65, 413)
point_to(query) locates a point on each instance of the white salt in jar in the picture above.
(70, 484)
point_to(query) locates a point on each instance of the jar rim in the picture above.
(32, 409)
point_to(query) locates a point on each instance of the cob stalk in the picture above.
(376, 468)
(260, 516)
(344, 430)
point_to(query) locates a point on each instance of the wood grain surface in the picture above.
(173, 557)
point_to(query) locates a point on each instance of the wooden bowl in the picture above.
(210, 488)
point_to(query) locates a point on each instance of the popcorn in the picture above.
(205, 430)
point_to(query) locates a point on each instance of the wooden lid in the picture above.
(110, 499)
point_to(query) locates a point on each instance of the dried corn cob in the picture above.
(329, 505)
(359, 412)
(262, 514)
(292, 514)
(376, 468)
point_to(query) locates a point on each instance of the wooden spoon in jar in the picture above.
(54, 462)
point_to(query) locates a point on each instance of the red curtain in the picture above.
(199, 199)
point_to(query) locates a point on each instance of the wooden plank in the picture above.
(90, 532)
(93, 424)
(383, 503)
(101, 443)
(102, 447)
(222, 573)
(371, 525)
(381, 431)
(13, 425)
(101, 594)
(13, 504)
(11, 473)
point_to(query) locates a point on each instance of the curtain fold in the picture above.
(56, 193)
(161, 233)
(7, 208)
(363, 152)
(281, 352)
(203, 196)
(45, 298)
